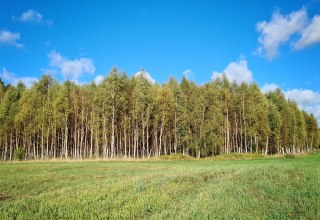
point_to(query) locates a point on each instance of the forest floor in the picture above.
(257, 188)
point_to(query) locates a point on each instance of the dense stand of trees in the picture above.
(131, 117)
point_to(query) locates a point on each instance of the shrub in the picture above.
(19, 154)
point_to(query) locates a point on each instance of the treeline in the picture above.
(131, 117)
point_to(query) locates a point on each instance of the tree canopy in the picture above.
(132, 117)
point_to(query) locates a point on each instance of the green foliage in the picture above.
(19, 153)
(133, 117)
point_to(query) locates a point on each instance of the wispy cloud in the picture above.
(236, 71)
(14, 80)
(32, 16)
(9, 38)
(188, 73)
(71, 69)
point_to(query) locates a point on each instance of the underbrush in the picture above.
(173, 157)
(237, 156)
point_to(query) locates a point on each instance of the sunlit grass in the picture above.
(262, 188)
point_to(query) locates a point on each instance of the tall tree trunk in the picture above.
(97, 151)
(245, 127)
(267, 145)
(91, 141)
(42, 142)
(113, 130)
(6, 147)
(47, 145)
(148, 154)
(160, 137)
(228, 132)
(10, 146)
(66, 137)
(175, 132)
(125, 136)
(135, 135)
(105, 138)
(143, 138)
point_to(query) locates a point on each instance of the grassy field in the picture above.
(262, 188)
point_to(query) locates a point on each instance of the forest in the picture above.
(130, 117)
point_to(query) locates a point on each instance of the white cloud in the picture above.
(279, 30)
(306, 99)
(98, 79)
(236, 71)
(10, 38)
(14, 80)
(310, 35)
(304, 96)
(71, 69)
(32, 16)
(269, 87)
(145, 75)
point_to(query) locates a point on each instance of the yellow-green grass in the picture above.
(262, 188)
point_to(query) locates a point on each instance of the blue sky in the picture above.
(273, 43)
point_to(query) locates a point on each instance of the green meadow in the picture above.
(240, 188)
